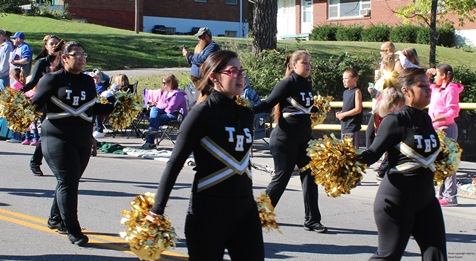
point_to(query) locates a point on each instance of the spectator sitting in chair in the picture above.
(99, 132)
(166, 105)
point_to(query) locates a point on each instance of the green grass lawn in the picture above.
(112, 49)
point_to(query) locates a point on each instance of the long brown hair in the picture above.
(291, 59)
(409, 77)
(57, 64)
(213, 64)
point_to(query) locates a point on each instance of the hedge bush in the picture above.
(324, 32)
(404, 34)
(265, 70)
(327, 74)
(445, 36)
(377, 33)
(351, 33)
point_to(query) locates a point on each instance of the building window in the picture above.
(201, 1)
(231, 2)
(230, 33)
(348, 8)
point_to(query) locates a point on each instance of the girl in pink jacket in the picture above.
(443, 109)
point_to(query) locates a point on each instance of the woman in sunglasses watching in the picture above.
(68, 98)
(222, 211)
(293, 100)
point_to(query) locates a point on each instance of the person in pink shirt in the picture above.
(166, 105)
(443, 109)
(17, 80)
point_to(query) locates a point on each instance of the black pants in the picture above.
(37, 154)
(370, 132)
(286, 155)
(67, 160)
(215, 224)
(404, 206)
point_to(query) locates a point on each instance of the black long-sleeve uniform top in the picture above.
(410, 140)
(219, 132)
(42, 66)
(296, 98)
(69, 101)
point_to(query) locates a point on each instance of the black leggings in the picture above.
(286, 155)
(404, 206)
(37, 154)
(67, 161)
(215, 224)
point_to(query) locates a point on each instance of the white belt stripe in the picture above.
(301, 109)
(233, 166)
(418, 160)
(71, 111)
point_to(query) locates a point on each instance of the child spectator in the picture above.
(443, 109)
(351, 114)
(33, 129)
(97, 76)
(17, 80)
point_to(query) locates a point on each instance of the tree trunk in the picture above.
(265, 25)
(434, 5)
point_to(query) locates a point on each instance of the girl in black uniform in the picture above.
(405, 203)
(222, 213)
(68, 97)
(289, 140)
(45, 59)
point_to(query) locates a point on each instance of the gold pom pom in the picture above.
(447, 166)
(242, 102)
(17, 110)
(266, 213)
(147, 239)
(128, 106)
(323, 104)
(334, 165)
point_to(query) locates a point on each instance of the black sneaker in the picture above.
(379, 177)
(59, 226)
(80, 240)
(36, 170)
(318, 227)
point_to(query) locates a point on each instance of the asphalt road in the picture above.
(111, 181)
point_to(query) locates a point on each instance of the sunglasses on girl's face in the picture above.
(235, 73)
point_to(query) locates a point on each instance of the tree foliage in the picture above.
(437, 12)
(420, 12)
(11, 6)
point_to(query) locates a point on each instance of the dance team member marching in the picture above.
(290, 137)
(47, 56)
(222, 212)
(405, 203)
(68, 97)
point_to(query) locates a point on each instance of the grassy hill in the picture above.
(112, 49)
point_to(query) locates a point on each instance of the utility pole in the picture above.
(136, 12)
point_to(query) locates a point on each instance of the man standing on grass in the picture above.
(203, 49)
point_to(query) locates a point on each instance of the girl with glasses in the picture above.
(222, 211)
(68, 98)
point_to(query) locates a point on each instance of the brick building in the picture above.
(223, 17)
(296, 17)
